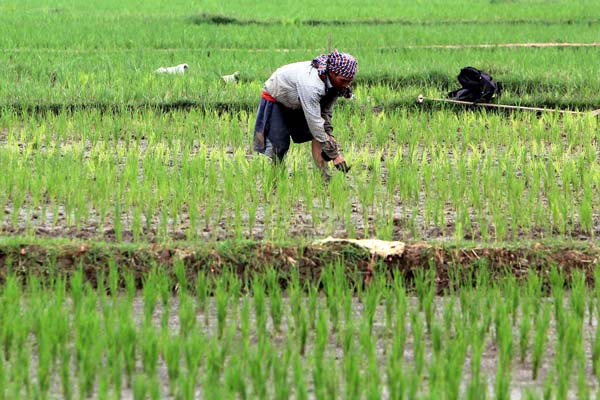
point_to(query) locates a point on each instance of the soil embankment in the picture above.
(245, 259)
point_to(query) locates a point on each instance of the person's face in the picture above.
(339, 81)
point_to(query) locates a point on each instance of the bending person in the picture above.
(297, 103)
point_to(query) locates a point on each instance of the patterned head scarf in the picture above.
(339, 63)
(342, 64)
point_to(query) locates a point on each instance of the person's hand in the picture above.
(333, 143)
(340, 164)
(325, 157)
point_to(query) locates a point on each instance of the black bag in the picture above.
(477, 86)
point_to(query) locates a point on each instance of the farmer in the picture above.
(297, 102)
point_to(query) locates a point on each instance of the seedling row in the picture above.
(187, 336)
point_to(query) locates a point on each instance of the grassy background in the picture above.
(101, 54)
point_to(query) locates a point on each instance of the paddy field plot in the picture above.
(144, 247)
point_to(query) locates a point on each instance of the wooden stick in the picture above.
(421, 99)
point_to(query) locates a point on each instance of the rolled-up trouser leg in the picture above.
(261, 125)
(271, 131)
(269, 149)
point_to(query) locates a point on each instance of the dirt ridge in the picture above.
(247, 258)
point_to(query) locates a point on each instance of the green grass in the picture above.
(559, 10)
(103, 55)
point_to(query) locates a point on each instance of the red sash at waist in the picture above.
(268, 97)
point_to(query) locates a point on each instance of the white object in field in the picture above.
(420, 98)
(177, 69)
(233, 78)
(382, 248)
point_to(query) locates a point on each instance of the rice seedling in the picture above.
(351, 368)
(187, 387)
(128, 335)
(582, 384)
(260, 313)
(396, 383)
(275, 299)
(371, 300)
(436, 368)
(150, 292)
(212, 382)
(149, 350)
(578, 295)
(542, 322)
(202, 290)
(187, 314)
(549, 386)
(557, 282)
(103, 385)
(114, 362)
(400, 330)
(194, 350)
(300, 389)
(312, 303)
(260, 367)
(373, 389)
(130, 288)
(44, 343)
(328, 278)
(504, 339)
(140, 387)
(318, 360)
(234, 378)
(280, 372)
(302, 331)
(456, 352)
(20, 379)
(3, 381)
(525, 327)
(448, 314)
(65, 373)
(245, 323)
(425, 287)
(76, 283)
(416, 324)
(180, 273)
(221, 301)
(171, 353)
(295, 295)
(476, 387)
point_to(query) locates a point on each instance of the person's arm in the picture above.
(327, 113)
(310, 99)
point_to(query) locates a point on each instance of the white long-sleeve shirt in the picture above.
(298, 86)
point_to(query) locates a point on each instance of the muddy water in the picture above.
(54, 222)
